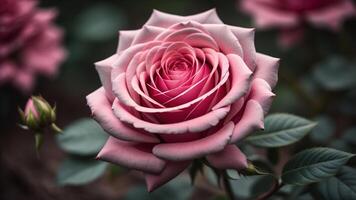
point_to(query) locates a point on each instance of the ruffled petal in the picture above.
(102, 112)
(229, 158)
(252, 119)
(130, 155)
(195, 149)
(172, 169)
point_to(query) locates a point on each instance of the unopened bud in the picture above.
(38, 116)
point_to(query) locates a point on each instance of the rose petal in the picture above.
(121, 92)
(227, 42)
(102, 112)
(229, 158)
(130, 155)
(267, 69)
(171, 170)
(261, 92)
(165, 20)
(125, 57)
(252, 119)
(125, 39)
(193, 125)
(104, 68)
(246, 37)
(241, 78)
(147, 33)
(195, 149)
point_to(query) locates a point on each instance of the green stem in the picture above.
(277, 185)
(228, 189)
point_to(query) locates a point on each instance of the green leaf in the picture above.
(76, 171)
(342, 186)
(83, 137)
(336, 73)
(314, 165)
(281, 130)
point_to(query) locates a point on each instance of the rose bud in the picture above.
(38, 116)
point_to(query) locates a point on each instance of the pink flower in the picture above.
(289, 15)
(30, 43)
(178, 89)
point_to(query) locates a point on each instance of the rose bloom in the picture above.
(30, 43)
(178, 89)
(290, 15)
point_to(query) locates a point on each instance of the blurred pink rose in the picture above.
(289, 15)
(30, 43)
(178, 89)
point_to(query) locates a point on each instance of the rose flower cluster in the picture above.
(30, 43)
(178, 89)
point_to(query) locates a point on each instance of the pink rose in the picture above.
(289, 15)
(179, 89)
(30, 43)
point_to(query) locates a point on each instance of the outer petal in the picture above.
(101, 109)
(333, 15)
(131, 156)
(195, 149)
(104, 68)
(147, 33)
(268, 17)
(125, 39)
(267, 69)
(165, 20)
(171, 170)
(251, 120)
(229, 158)
(193, 125)
(261, 92)
(246, 37)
